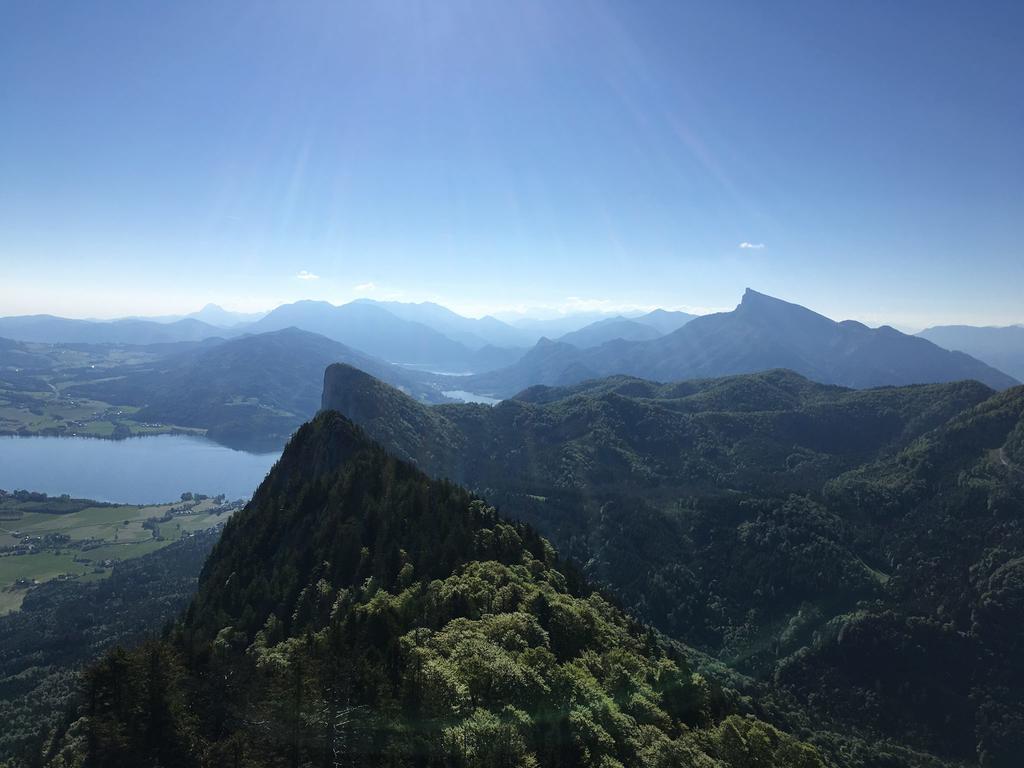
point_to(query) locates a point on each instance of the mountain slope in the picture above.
(596, 334)
(553, 327)
(1002, 348)
(947, 518)
(665, 321)
(473, 332)
(762, 333)
(253, 391)
(59, 330)
(757, 516)
(215, 314)
(375, 331)
(628, 433)
(357, 612)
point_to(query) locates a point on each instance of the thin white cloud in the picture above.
(754, 246)
(304, 275)
(364, 287)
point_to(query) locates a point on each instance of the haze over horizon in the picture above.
(861, 161)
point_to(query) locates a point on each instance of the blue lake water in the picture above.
(471, 397)
(142, 470)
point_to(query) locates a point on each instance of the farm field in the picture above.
(60, 538)
(34, 396)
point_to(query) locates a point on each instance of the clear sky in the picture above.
(491, 155)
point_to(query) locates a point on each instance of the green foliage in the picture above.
(857, 552)
(65, 625)
(357, 610)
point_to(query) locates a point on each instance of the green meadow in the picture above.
(98, 536)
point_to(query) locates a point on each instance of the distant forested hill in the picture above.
(251, 391)
(857, 548)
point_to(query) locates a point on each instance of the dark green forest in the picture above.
(64, 625)
(358, 612)
(756, 570)
(856, 551)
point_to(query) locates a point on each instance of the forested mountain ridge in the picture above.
(777, 426)
(944, 517)
(358, 611)
(252, 391)
(794, 530)
(762, 333)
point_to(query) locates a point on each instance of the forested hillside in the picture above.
(358, 612)
(855, 547)
(249, 392)
(64, 625)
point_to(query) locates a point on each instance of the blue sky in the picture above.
(494, 156)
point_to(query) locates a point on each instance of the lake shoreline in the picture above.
(146, 470)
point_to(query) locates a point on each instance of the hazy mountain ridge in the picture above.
(762, 333)
(49, 329)
(374, 330)
(619, 327)
(473, 332)
(1000, 347)
(665, 320)
(636, 328)
(211, 313)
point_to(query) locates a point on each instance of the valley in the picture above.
(59, 538)
(35, 379)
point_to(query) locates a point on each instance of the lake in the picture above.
(140, 470)
(471, 397)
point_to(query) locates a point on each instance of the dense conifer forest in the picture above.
(358, 612)
(757, 570)
(856, 550)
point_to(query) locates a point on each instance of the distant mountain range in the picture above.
(762, 333)
(211, 314)
(371, 328)
(1002, 348)
(474, 333)
(60, 330)
(642, 328)
(215, 314)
